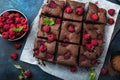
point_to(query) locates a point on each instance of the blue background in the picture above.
(30, 8)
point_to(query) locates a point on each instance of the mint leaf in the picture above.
(17, 66)
(51, 22)
(92, 75)
(48, 21)
(17, 29)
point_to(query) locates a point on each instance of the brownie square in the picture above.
(67, 55)
(95, 14)
(45, 30)
(44, 50)
(71, 31)
(53, 8)
(74, 10)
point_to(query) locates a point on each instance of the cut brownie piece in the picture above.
(44, 50)
(49, 27)
(74, 10)
(95, 14)
(70, 32)
(53, 8)
(67, 54)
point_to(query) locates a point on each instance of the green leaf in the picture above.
(21, 77)
(51, 22)
(48, 21)
(19, 29)
(17, 66)
(92, 75)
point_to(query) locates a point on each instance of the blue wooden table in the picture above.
(30, 8)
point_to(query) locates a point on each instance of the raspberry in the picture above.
(88, 46)
(1, 31)
(6, 14)
(6, 27)
(94, 42)
(93, 62)
(17, 20)
(111, 12)
(25, 28)
(12, 37)
(18, 25)
(71, 29)
(17, 15)
(46, 29)
(110, 21)
(100, 37)
(9, 21)
(67, 55)
(53, 4)
(42, 48)
(5, 35)
(18, 34)
(73, 68)
(28, 73)
(23, 21)
(17, 45)
(66, 40)
(11, 32)
(94, 17)
(1, 24)
(12, 25)
(82, 58)
(51, 37)
(2, 19)
(36, 52)
(48, 56)
(68, 9)
(58, 21)
(104, 71)
(11, 16)
(79, 11)
(87, 36)
(14, 55)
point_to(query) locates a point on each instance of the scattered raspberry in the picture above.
(96, 2)
(2, 19)
(17, 15)
(5, 35)
(51, 37)
(68, 9)
(6, 27)
(79, 11)
(42, 48)
(73, 68)
(67, 55)
(88, 46)
(17, 45)
(1, 24)
(48, 56)
(110, 21)
(28, 73)
(82, 58)
(111, 12)
(46, 28)
(94, 42)
(95, 17)
(36, 52)
(71, 29)
(53, 4)
(14, 55)
(58, 21)
(87, 36)
(104, 71)
(93, 62)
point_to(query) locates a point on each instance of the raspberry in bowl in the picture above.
(13, 25)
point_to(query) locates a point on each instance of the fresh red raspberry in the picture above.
(73, 68)
(25, 28)
(100, 37)
(11, 32)
(104, 71)
(17, 20)
(2, 19)
(88, 46)
(94, 17)
(11, 16)
(17, 15)
(110, 21)
(1, 24)
(12, 25)
(46, 28)
(5, 35)
(53, 4)
(18, 34)
(86, 36)
(18, 25)
(58, 21)
(42, 48)
(23, 21)
(67, 55)
(1, 31)
(51, 37)
(66, 40)
(6, 14)
(17, 45)
(12, 37)
(6, 27)
(48, 56)
(71, 29)
(93, 62)
(9, 21)
(79, 11)
(94, 42)
(111, 12)
(82, 58)
(68, 9)
(14, 55)
(36, 52)
(28, 73)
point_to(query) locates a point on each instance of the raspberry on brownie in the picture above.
(44, 50)
(67, 55)
(74, 10)
(71, 31)
(53, 8)
(96, 14)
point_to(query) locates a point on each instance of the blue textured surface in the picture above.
(30, 8)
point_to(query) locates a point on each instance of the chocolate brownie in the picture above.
(47, 30)
(53, 8)
(44, 50)
(95, 14)
(74, 10)
(70, 31)
(67, 55)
